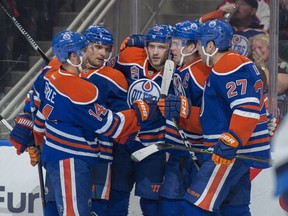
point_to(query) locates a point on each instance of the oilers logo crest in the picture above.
(143, 88)
(240, 44)
(178, 86)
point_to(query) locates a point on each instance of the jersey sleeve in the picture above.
(241, 91)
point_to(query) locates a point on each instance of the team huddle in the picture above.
(87, 113)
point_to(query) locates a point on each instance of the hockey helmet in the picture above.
(219, 31)
(66, 42)
(159, 33)
(186, 31)
(99, 34)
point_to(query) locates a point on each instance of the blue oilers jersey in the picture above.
(143, 83)
(113, 87)
(233, 99)
(189, 81)
(70, 109)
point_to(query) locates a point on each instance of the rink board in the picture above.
(20, 194)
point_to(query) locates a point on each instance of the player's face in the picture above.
(200, 51)
(176, 49)
(96, 54)
(157, 54)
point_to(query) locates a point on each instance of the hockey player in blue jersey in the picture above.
(188, 82)
(113, 87)
(64, 119)
(233, 120)
(143, 69)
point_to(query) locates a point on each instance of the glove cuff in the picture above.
(184, 107)
(229, 138)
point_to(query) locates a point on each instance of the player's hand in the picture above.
(22, 135)
(174, 106)
(136, 40)
(146, 110)
(34, 154)
(225, 150)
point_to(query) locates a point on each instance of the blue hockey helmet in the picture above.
(66, 42)
(219, 31)
(186, 31)
(159, 33)
(99, 34)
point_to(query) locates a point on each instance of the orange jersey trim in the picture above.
(77, 89)
(71, 144)
(192, 124)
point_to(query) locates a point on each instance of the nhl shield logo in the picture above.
(143, 88)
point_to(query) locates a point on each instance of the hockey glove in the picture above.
(22, 135)
(146, 110)
(174, 107)
(136, 40)
(225, 150)
(34, 154)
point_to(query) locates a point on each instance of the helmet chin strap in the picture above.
(79, 66)
(183, 55)
(209, 55)
(106, 60)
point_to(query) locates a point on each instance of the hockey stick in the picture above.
(10, 128)
(141, 154)
(167, 77)
(166, 80)
(26, 35)
(40, 170)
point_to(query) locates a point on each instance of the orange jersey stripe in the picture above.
(102, 149)
(150, 137)
(243, 127)
(72, 144)
(68, 187)
(205, 204)
(258, 141)
(172, 131)
(116, 122)
(251, 107)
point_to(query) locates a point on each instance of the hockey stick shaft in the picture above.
(26, 35)
(167, 78)
(39, 165)
(10, 128)
(145, 152)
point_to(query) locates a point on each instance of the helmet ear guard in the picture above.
(66, 42)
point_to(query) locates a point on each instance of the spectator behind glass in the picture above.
(243, 23)
(259, 49)
(262, 14)
(259, 53)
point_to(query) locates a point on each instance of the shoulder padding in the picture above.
(230, 62)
